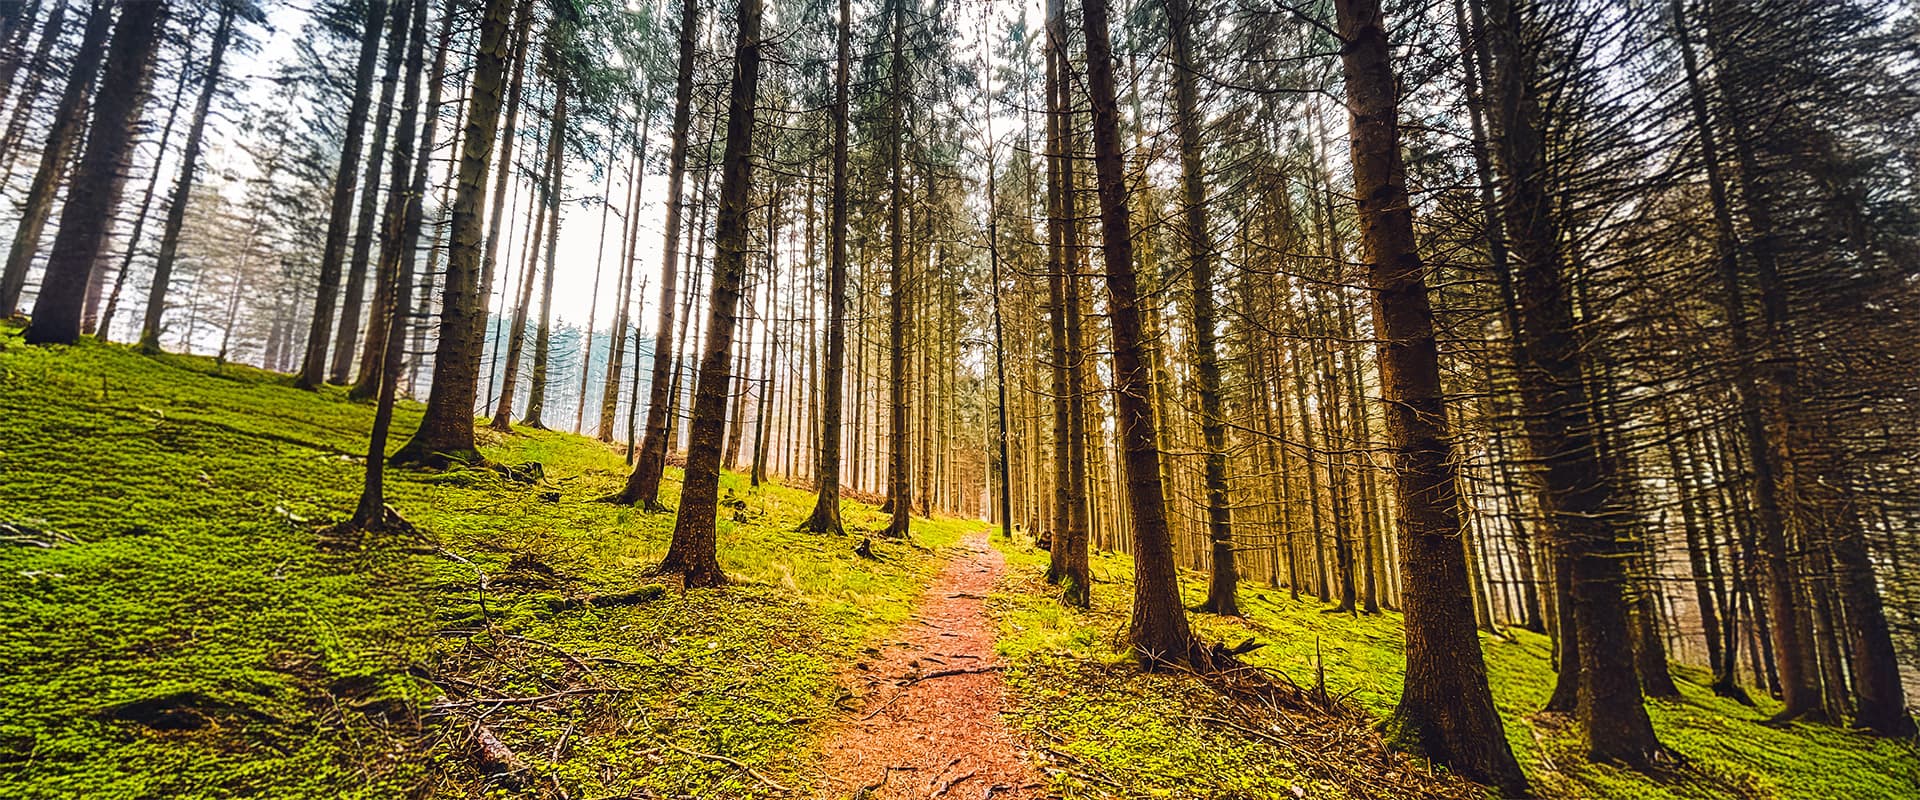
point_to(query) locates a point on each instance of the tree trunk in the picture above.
(446, 431)
(1446, 710)
(37, 72)
(313, 364)
(1559, 418)
(363, 235)
(543, 337)
(899, 435)
(400, 199)
(1158, 631)
(691, 553)
(826, 507)
(643, 484)
(177, 207)
(1223, 580)
(401, 243)
(69, 121)
(101, 174)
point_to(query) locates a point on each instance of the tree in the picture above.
(826, 508)
(1158, 630)
(1560, 423)
(1206, 360)
(401, 241)
(643, 484)
(365, 231)
(1445, 709)
(446, 430)
(98, 179)
(899, 290)
(69, 121)
(313, 364)
(189, 163)
(692, 551)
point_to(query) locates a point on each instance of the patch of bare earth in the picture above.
(926, 719)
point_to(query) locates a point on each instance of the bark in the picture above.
(364, 231)
(446, 430)
(1446, 709)
(1068, 557)
(37, 72)
(691, 553)
(100, 175)
(623, 314)
(543, 337)
(826, 507)
(899, 436)
(183, 190)
(1223, 578)
(1158, 631)
(401, 200)
(69, 120)
(523, 300)
(313, 363)
(643, 484)
(402, 241)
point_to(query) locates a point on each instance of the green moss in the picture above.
(1727, 751)
(188, 501)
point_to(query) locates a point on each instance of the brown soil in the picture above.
(926, 719)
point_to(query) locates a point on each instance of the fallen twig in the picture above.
(521, 701)
(736, 763)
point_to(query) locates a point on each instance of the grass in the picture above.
(187, 575)
(1137, 735)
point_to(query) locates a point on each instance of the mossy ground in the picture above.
(186, 503)
(1144, 735)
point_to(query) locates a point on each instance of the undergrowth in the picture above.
(176, 622)
(1132, 735)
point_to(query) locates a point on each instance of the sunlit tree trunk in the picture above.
(691, 553)
(183, 190)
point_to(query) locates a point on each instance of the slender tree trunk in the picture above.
(446, 431)
(517, 329)
(374, 347)
(364, 231)
(183, 190)
(69, 121)
(1559, 418)
(401, 242)
(37, 72)
(1446, 709)
(1223, 581)
(826, 508)
(101, 323)
(899, 436)
(100, 175)
(643, 484)
(313, 363)
(543, 337)
(691, 554)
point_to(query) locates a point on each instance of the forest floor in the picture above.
(177, 620)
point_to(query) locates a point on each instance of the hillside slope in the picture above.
(175, 622)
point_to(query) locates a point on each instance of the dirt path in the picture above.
(926, 711)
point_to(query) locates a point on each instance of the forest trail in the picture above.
(927, 709)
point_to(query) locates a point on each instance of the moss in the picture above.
(188, 501)
(1727, 751)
